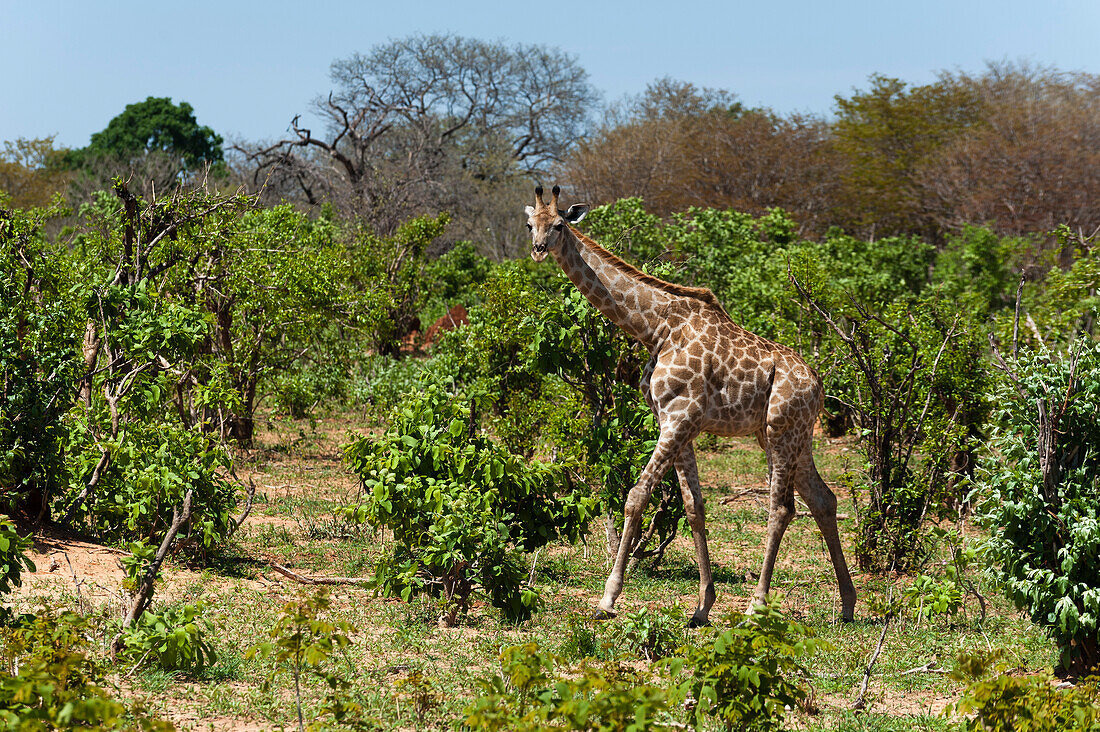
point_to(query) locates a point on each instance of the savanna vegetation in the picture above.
(259, 469)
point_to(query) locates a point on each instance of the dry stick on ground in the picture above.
(318, 580)
(735, 497)
(144, 593)
(926, 669)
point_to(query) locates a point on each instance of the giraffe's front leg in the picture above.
(668, 447)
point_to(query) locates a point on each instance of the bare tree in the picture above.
(409, 123)
(678, 145)
(1030, 163)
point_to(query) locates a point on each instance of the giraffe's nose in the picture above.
(538, 252)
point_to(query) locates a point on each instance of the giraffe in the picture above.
(705, 373)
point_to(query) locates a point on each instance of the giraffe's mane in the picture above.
(698, 293)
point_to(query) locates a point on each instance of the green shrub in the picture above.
(1040, 490)
(382, 382)
(39, 359)
(49, 681)
(975, 269)
(534, 691)
(151, 470)
(911, 374)
(580, 640)
(462, 509)
(746, 676)
(743, 678)
(491, 356)
(12, 558)
(650, 634)
(301, 388)
(302, 644)
(173, 639)
(742, 260)
(625, 226)
(1065, 302)
(454, 278)
(1012, 703)
(611, 429)
(389, 274)
(877, 272)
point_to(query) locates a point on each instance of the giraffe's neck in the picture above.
(615, 291)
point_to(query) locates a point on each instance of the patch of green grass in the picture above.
(884, 722)
(156, 680)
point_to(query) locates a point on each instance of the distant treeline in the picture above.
(444, 123)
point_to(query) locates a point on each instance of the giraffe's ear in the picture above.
(575, 213)
(529, 210)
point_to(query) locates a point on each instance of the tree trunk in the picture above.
(144, 593)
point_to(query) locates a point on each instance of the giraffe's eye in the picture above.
(559, 226)
(528, 227)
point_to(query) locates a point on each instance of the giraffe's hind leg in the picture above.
(822, 504)
(782, 473)
(688, 474)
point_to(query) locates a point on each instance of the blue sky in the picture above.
(69, 66)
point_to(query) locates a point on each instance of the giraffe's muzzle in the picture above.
(538, 252)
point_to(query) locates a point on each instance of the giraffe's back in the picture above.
(746, 382)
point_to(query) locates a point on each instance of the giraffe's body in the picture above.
(705, 373)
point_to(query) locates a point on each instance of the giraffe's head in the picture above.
(547, 223)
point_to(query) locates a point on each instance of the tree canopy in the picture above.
(157, 124)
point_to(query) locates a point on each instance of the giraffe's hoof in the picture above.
(698, 623)
(602, 614)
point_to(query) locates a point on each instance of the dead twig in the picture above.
(861, 701)
(77, 583)
(925, 669)
(247, 509)
(736, 495)
(531, 574)
(318, 580)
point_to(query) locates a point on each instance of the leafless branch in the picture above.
(318, 580)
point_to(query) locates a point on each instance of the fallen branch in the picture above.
(757, 491)
(531, 574)
(319, 580)
(925, 669)
(839, 516)
(763, 491)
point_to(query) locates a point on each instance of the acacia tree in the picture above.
(412, 119)
(883, 135)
